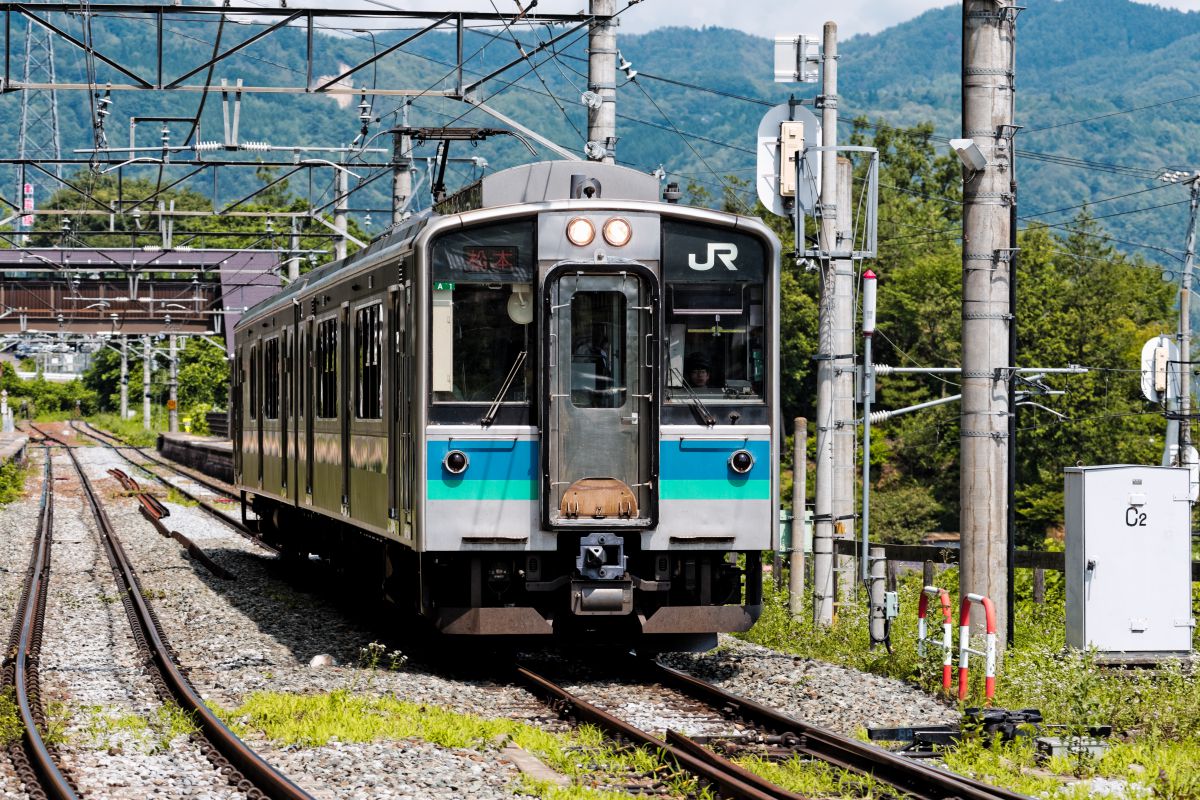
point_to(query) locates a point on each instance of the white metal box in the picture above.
(1129, 559)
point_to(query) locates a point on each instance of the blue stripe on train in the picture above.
(708, 459)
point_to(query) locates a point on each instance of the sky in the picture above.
(761, 17)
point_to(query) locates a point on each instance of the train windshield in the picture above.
(715, 296)
(482, 314)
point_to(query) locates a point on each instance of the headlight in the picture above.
(580, 232)
(618, 231)
(456, 462)
(741, 462)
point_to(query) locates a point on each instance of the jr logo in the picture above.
(726, 252)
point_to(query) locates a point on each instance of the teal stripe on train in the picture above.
(497, 469)
(698, 469)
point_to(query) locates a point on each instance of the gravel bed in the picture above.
(116, 742)
(18, 524)
(837, 698)
(260, 632)
(263, 632)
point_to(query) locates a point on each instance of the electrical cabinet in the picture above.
(1128, 559)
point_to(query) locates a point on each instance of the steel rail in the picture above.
(258, 778)
(97, 433)
(731, 780)
(206, 506)
(915, 778)
(32, 758)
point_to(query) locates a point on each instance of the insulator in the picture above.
(208, 147)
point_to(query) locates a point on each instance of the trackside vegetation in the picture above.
(1155, 713)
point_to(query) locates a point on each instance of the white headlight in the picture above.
(617, 232)
(580, 232)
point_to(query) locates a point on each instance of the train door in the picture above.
(345, 378)
(237, 414)
(599, 397)
(256, 410)
(309, 393)
(285, 411)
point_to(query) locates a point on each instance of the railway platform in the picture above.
(208, 454)
(12, 447)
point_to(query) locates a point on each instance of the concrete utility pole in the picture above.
(339, 213)
(602, 82)
(401, 173)
(147, 360)
(989, 31)
(799, 493)
(173, 386)
(844, 472)
(1183, 457)
(124, 377)
(294, 246)
(823, 522)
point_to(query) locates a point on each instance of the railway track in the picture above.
(35, 762)
(780, 734)
(122, 449)
(244, 769)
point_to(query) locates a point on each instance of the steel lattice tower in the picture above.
(39, 114)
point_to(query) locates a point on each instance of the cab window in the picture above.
(482, 314)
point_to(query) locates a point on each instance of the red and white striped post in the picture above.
(947, 643)
(964, 645)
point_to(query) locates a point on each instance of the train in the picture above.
(546, 407)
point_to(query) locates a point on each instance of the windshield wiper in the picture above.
(698, 408)
(490, 417)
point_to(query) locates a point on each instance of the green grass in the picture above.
(109, 729)
(12, 481)
(595, 767)
(131, 430)
(1155, 714)
(10, 720)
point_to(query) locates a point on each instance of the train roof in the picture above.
(539, 182)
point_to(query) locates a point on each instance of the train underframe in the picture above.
(593, 587)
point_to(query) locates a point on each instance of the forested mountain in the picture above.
(1090, 287)
(1077, 59)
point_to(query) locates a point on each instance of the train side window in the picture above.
(271, 379)
(326, 368)
(368, 347)
(253, 404)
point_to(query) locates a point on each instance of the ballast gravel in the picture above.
(264, 632)
(117, 740)
(18, 524)
(837, 698)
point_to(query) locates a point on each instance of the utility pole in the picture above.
(147, 360)
(173, 385)
(989, 31)
(124, 377)
(1183, 451)
(294, 246)
(844, 433)
(339, 214)
(823, 530)
(401, 172)
(799, 495)
(1185, 333)
(602, 84)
